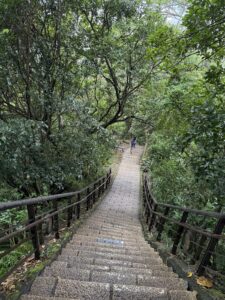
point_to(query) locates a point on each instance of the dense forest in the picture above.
(76, 77)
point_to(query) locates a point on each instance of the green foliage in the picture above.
(206, 27)
(185, 153)
(14, 257)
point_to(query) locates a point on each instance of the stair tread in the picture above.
(128, 257)
(32, 297)
(182, 295)
(82, 289)
(116, 251)
(70, 261)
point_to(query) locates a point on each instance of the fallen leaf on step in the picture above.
(203, 281)
(189, 274)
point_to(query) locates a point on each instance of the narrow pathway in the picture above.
(108, 257)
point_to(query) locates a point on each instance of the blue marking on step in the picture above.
(110, 241)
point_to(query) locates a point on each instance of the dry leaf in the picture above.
(8, 284)
(203, 281)
(189, 274)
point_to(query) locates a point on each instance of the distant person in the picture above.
(133, 144)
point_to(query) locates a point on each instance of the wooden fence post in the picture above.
(34, 231)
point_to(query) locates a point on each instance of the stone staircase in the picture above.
(108, 257)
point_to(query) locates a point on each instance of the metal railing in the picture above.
(46, 215)
(195, 236)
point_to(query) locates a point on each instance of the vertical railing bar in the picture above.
(153, 217)
(34, 231)
(179, 232)
(69, 212)
(211, 246)
(56, 219)
(88, 199)
(78, 205)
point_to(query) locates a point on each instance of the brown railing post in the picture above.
(41, 234)
(78, 206)
(69, 212)
(211, 246)
(56, 219)
(153, 216)
(145, 202)
(88, 199)
(94, 193)
(199, 250)
(161, 223)
(110, 175)
(34, 231)
(148, 203)
(143, 191)
(179, 232)
(103, 185)
(106, 181)
(99, 188)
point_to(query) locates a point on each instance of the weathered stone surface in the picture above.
(113, 262)
(114, 277)
(97, 242)
(130, 292)
(94, 236)
(75, 259)
(166, 282)
(59, 264)
(96, 248)
(31, 297)
(182, 295)
(167, 274)
(43, 286)
(82, 290)
(152, 266)
(68, 273)
(90, 267)
(129, 270)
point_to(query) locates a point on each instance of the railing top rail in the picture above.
(186, 209)
(196, 211)
(42, 199)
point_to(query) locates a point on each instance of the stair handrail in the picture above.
(33, 227)
(156, 220)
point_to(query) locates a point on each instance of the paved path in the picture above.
(108, 258)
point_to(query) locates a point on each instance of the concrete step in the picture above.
(93, 236)
(80, 270)
(71, 261)
(31, 297)
(94, 290)
(113, 221)
(140, 280)
(43, 286)
(68, 273)
(182, 295)
(149, 252)
(112, 230)
(154, 271)
(133, 258)
(111, 233)
(107, 226)
(102, 224)
(138, 292)
(58, 265)
(110, 245)
(107, 241)
(82, 290)
(75, 259)
(133, 278)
